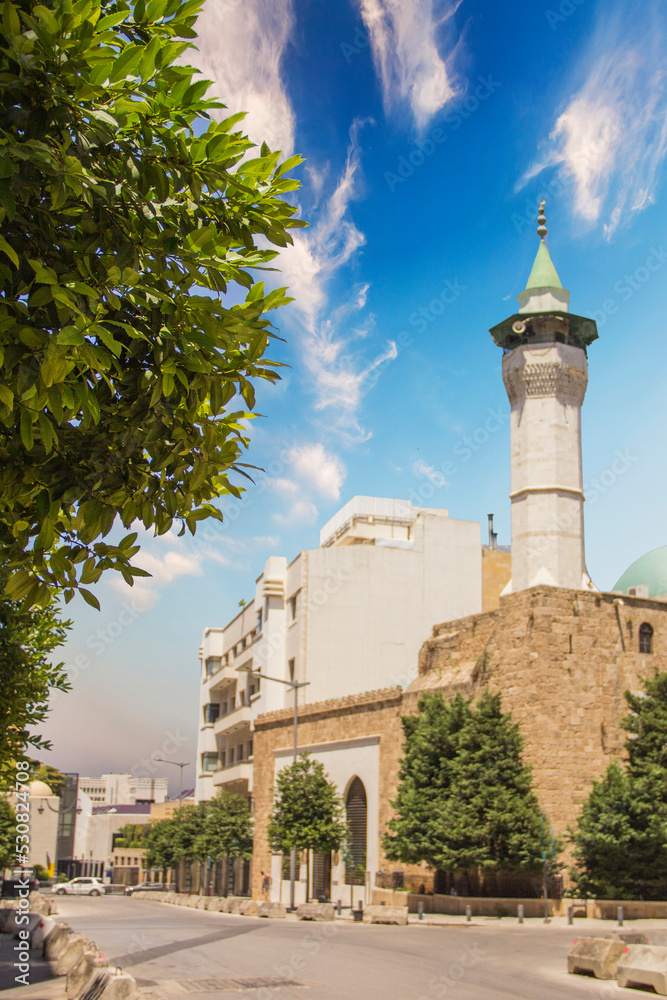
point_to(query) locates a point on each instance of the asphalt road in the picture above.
(176, 952)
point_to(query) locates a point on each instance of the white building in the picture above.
(123, 789)
(347, 617)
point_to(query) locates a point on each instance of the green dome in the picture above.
(650, 570)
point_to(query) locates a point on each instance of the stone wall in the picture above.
(496, 573)
(562, 660)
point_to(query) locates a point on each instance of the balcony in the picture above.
(239, 775)
(238, 718)
(225, 675)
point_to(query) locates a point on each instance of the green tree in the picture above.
(51, 776)
(620, 838)
(131, 329)
(308, 813)
(7, 835)
(227, 829)
(465, 797)
(161, 851)
(28, 637)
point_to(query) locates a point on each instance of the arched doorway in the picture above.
(357, 821)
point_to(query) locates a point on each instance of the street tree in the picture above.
(51, 776)
(465, 799)
(620, 838)
(161, 850)
(28, 638)
(132, 329)
(227, 829)
(7, 835)
(308, 813)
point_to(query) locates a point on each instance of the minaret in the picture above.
(545, 372)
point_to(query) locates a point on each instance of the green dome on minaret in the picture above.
(543, 274)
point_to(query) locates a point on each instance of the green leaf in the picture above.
(89, 598)
(6, 249)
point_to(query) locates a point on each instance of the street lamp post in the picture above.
(176, 763)
(161, 760)
(294, 685)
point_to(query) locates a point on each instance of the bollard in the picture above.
(420, 910)
(468, 913)
(339, 907)
(570, 914)
(619, 914)
(520, 912)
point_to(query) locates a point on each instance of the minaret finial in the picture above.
(542, 221)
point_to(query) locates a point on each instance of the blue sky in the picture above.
(429, 131)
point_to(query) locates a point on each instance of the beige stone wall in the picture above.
(562, 660)
(370, 714)
(496, 573)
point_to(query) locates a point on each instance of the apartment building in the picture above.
(123, 789)
(342, 619)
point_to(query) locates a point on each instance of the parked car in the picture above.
(81, 887)
(11, 886)
(145, 886)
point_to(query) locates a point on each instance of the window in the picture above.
(239, 752)
(292, 608)
(232, 703)
(231, 756)
(259, 620)
(645, 638)
(211, 712)
(223, 759)
(249, 748)
(290, 667)
(213, 663)
(209, 762)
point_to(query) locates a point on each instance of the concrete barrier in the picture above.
(83, 971)
(192, 901)
(75, 946)
(17, 921)
(106, 986)
(248, 908)
(643, 965)
(387, 914)
(234, 904)
(597, 955)
(41, 932)
(202, 903)
(217, 904)
(274, 911)
(5, 911)
(315, 911)
(631, 937)
(56, 942)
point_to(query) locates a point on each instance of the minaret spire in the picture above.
(545, 373)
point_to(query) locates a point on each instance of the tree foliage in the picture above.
(51, 776)
(227, 830)
(465, 797)
(308, 813)
(620, 838)
(7, 835)
(28, 637)
(129, 319)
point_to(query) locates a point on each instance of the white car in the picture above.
(81, 887)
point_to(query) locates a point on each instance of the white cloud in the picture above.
(403, 36)
(241, 46)
(338, 374)
(320, 469)
(611, 138)
(163, 567)
(285, 486)
(301, 512)
(425, 471)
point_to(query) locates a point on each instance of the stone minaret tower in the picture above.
(545, 372)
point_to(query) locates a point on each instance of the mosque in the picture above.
(561, 653)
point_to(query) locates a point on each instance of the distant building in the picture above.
(347, 617)
(123, 789)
